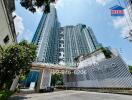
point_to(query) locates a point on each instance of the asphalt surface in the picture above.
(72, 95)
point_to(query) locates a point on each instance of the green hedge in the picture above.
(5, 94)
(130, 69)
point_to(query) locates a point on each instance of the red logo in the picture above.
(117, 12)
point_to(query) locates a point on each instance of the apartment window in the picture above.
(59, 54)
(6, 39)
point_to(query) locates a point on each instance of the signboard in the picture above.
(117, 11)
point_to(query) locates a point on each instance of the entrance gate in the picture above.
(45, 72)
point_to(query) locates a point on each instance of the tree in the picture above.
(16, 60)
(32, 5)
(1, 55)
(57, 79)
(106, 52)
(130, 69)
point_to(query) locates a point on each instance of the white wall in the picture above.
(112, 72)
(46, 79)
(94, 59)
(4, 25)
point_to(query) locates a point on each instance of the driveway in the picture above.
(72, 95)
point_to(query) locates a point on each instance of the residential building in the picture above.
(75, 41)
(7, 28)
(60, 45)
(47, 38)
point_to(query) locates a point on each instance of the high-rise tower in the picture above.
(76, 40)
(47, 38)
(62, 44)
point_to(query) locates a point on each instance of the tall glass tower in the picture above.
(78, 40)
(47, 38)
(62, 44)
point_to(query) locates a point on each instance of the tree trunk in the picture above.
(14, 84)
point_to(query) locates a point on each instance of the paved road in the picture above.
(74, 95)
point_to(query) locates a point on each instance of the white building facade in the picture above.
(7, 28)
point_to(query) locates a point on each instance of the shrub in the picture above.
(5, 94)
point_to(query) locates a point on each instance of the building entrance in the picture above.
(47, 75)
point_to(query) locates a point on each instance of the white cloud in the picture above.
(39, 10)
(59, 4)
(18, 21)
(26, 35)
(124, 23)
(62, 3)
(103, 2)
(23, 34)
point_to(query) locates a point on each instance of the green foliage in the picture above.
(5, 94)
(31, 5)
(56, 79)
(130, 69)
(23, 77)
(106, 52)
(15, 61)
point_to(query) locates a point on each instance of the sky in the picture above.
(109, 30)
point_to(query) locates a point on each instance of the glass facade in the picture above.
(31, 77)
(62, 44)
(78, 40)
(46, 38)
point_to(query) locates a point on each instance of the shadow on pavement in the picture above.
(18, 98)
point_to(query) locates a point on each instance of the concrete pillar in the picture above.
(46, 78)
(64, 78)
